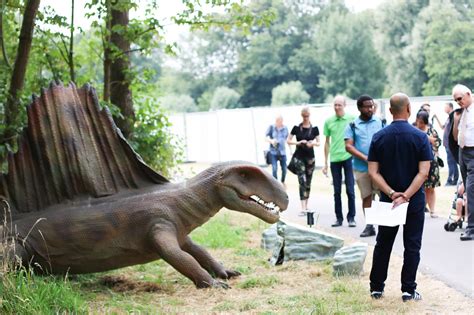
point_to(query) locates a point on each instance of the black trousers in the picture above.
(466, 163)
(412, 233)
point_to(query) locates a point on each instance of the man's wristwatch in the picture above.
(390, 193)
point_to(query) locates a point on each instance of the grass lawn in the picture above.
(233, 238)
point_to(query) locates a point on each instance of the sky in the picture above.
(167, 9)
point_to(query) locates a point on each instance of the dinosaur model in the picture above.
(81, 200)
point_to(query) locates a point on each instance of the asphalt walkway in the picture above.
(443, 255)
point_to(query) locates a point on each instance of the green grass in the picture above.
(24, 293)
(296, 287)
(219, 233)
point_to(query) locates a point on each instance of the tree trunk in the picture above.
(107, 57)
(120, 94)
(19, 70)
(72, 73)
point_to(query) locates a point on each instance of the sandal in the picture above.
(433, 215)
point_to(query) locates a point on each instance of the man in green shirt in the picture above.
(334, 146)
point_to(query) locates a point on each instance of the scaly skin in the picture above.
(111, 232)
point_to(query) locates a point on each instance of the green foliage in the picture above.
(395, 22)
(151, 137)
(225, 97)
(356, 68)
(449, 51)
(290, 93)
(178, 103)
(24, 293)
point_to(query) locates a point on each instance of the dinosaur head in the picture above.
(245, 187)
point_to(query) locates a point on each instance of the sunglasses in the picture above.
(458, 99)
(304, 116)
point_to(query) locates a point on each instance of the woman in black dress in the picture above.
(307, 137)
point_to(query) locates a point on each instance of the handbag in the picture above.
(268, 158)
(293, 165)
(440, 161)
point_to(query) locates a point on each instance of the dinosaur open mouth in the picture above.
(269, 206)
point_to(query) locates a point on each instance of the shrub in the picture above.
(178, 103)
(290, 93)
(225, 97)
(152, 138)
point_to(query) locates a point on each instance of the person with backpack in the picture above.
(358, 136)
(276, 135)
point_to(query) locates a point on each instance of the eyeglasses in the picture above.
(458, 99)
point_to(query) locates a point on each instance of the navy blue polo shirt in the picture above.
(398, 149)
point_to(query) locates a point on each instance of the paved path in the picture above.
(443, 255)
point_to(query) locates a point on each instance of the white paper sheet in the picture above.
(382, 213)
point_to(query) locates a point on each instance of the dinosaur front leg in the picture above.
(207, 261)
(169, 250)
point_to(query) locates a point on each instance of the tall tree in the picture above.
(449, 38)
(349, 62)
(12, 119)
(120, 78)
(395, 22)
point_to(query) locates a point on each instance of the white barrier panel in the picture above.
(239, 134)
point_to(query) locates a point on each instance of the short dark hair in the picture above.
(450, 105)
(425, 104)
(423, 115)
(362, 99)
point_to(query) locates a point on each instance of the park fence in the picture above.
(239, 134)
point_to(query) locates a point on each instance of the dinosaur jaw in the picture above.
(268, 211)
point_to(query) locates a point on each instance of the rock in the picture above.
(278, 251)
(269, 238)
(303, 243)
(349, 260)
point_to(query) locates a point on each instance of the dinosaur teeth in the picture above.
(270, 206)
(256, 198)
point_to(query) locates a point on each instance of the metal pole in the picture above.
(254, 136)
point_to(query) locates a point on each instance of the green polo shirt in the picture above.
(334, 127)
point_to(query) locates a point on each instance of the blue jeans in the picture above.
(275, 159)
(453, 174)
(336, 172)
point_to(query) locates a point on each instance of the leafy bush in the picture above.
(290, 93)
(152, 138)
(178, 103)
(225, 97)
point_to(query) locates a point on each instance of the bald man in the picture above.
(341, 160)
(399, 163)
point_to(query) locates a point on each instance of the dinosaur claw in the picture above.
(232, 273)
(220, 284)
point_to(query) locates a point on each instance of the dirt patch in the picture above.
(123, 284)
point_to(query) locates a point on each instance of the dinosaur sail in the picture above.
(70, 150)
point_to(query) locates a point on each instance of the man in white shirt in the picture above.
(465, 137)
